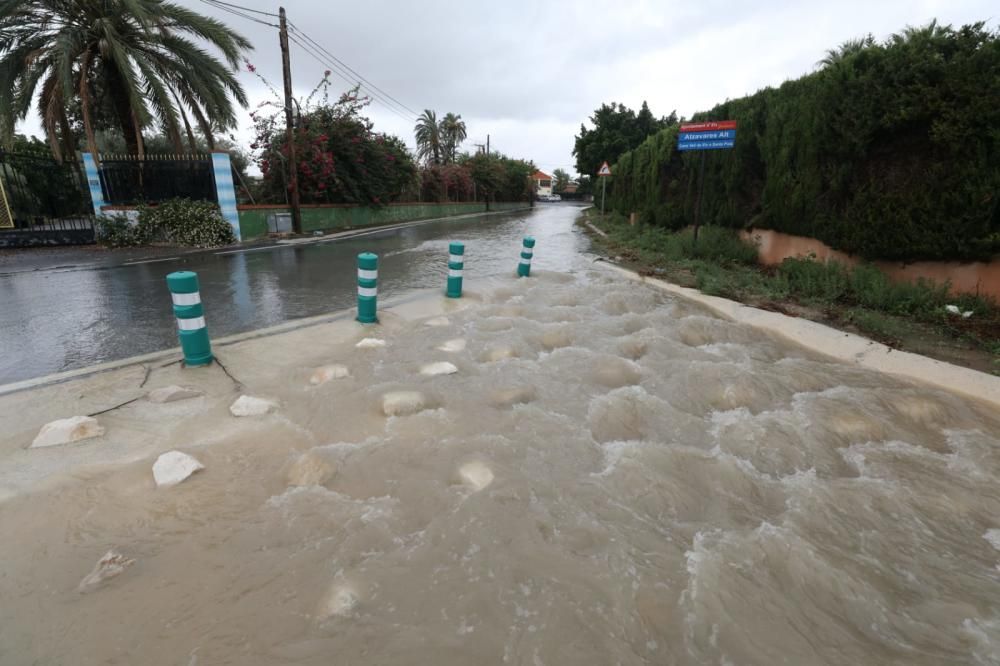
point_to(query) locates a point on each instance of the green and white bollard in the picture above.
(191, 329)
(456, 264)
(367, 287)
(524, 267)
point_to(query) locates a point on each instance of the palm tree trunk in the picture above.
(206, 127)
(88, 125)
(192, 144)
(140, 145)
(66, 134)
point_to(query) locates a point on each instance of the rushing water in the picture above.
(73, 318)
(613, 476)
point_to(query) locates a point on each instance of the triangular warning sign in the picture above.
(605, 170)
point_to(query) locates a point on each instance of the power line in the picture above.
(371, 85)
(226, 7)
(318, 51)
(241, 7)
(346, 78)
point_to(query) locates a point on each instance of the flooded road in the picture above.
(64, 319)
(611, 475)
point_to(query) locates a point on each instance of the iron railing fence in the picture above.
(39, 192)
(129, 180)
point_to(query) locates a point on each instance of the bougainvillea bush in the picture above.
(340, 158)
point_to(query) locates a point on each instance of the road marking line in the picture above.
(148, 261)
(253, 249)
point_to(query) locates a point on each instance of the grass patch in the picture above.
(862, 297)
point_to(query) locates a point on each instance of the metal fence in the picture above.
(129, 180)
(40, 193)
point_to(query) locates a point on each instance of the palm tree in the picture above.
(136, 57)
(844, 51)
(453, 131)
(428, 135)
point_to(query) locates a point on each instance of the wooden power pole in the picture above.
(293, 164)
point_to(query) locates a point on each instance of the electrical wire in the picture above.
(241, 7)
(321, 55)
(371, 85)
(226, 8)
(347, 78)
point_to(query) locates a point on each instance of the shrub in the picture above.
(888, 151)
(185, 222)
(174, 222)
(117, 231)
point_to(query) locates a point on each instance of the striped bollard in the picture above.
(367, 287)
(191, 329)
(524, 267)
(456, 263)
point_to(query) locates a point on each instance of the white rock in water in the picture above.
(340, 600)
(453, 346)
(173, 467)
(500, 353)
(401, 403)
(311, 469)
(370, 343)
(327, 372)
(475, 475)
(437, 321)
(112, 564)
(247, 405)
(513, 396)
(67, 431)
(439, 368)
(172, 393)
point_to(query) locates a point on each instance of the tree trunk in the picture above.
(192, 144)
(88, 125)
(206, 127)
(127, 120)
(66, 134)
(140, 145)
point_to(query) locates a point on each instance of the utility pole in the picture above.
(487, 145)
(487, 158)
(293, 163)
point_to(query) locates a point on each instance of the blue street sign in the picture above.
(708, 136)
(706, 145)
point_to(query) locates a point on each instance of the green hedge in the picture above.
(891, 150)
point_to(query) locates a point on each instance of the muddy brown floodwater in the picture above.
(611, 476)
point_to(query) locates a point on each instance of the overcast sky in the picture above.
(528, 73)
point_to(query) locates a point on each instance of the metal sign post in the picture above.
(711, 135)
(604, 172)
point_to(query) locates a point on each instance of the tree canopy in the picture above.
(141, 59)
(341, 159)
(561, 180)
(890, 150)
(438, 141)
(616, 129)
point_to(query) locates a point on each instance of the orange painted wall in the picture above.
(972, 277)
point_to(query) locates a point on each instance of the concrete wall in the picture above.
(253, 219)
(976, 277)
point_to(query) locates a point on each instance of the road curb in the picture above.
(847, 347)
